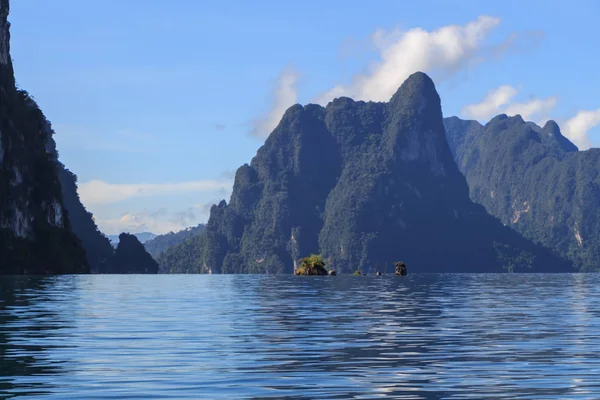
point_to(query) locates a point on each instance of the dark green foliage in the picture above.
(188, 258)
(160, 243)
(535, 181)
(313, 265)
(364, 184)
(131, 257)
(35, 233)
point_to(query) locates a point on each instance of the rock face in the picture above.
(98, 249)
(131, 257)
(401, 268)
(534, 180)
(35, 232)
(364, 184)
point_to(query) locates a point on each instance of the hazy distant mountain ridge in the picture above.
(365, 184)
(160, 243)
(535, 181)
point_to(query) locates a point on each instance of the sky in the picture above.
(156, 103)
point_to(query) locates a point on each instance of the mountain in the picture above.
(365, 184)
(160, 243)
(35, 231)
(185, 257)
(143, 237)
(535, 181)
(98, 248)
(132, 258)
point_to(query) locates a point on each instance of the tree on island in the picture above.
(313, 265)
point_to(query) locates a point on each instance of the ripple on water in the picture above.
(416, 337)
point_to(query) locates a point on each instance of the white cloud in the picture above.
(97, 192)
(284, 95)
(538, 107)
(577, 128)
(446, 50)
(492, 102)
(140, 222)
(498, 101)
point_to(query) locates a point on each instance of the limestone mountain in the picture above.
(99, 251)
(534, 180)
(35, 232)
(365, 184)
(132, 258)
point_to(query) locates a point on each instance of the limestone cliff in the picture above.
(35, 233)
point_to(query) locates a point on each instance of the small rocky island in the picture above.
(313, 265)
(400, 268)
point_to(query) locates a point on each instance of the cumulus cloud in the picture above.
(142, 221)
(184, 218)
(499, 101)
(577, 128)
(537, 107)
(284, 95)
(446, 50)
(492, 102)
(97, 192)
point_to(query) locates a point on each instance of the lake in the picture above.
(451, 336)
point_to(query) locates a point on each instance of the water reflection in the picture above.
(416, 337)
(29, 319)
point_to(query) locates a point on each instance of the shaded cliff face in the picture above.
(35, 234)
(365, 184)
(99, 251)
(131, 257)
(534, 180)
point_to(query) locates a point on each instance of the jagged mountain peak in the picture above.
(363, 183)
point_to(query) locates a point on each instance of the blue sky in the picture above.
(155, 104)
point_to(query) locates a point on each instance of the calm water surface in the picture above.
(203, 337)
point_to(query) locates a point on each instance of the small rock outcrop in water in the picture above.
(131, 257)
(35, 231)
(400, 268)
(313, 265)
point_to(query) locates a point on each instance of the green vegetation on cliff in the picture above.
(160, 243)
(313, 265)
(363, 184)
(35, 232)
(535, 181)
